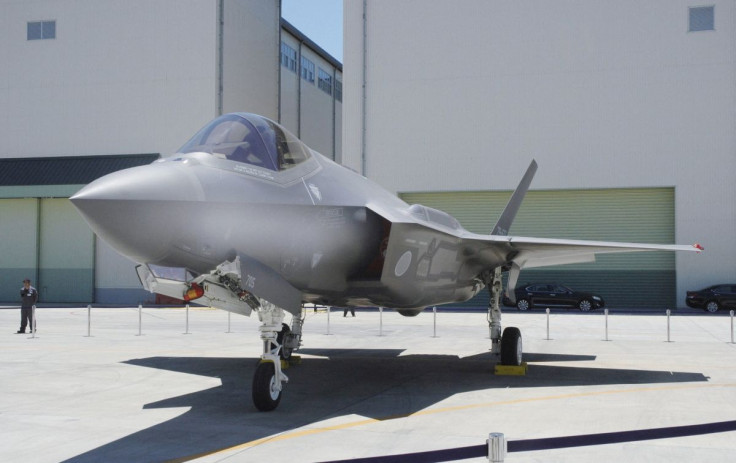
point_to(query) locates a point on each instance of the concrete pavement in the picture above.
(169, 396)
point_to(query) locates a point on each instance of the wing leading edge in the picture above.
(526, 252)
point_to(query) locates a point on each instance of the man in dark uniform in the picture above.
(28, 296)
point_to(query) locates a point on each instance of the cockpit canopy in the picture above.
(251, 139)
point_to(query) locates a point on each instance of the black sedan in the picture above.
(712, 298)
(553, 295)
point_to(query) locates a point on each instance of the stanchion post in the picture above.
(140, 320)
(187, 328)
(329, 309)
(380, 321)
(434, 310)
(605, 312)
(548, 324)
(228, 321)
(89, 321)
(668, 325)
(496, 447)
(33, 321)
(732, 327)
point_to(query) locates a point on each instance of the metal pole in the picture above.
(732, 327)
(140, 319)
(228, 321)
(33, 321)
(329, 309)
(548, 324)
(606, 314)
(187, 331)
(89, 321)
(496, 447)
(668, 325)
(434, 310)
(380, 321)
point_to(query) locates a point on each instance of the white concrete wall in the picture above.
(462, 95)
(120, 77)
(251, 50)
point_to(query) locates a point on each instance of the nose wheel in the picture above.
(266, 387)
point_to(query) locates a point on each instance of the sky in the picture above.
(320, 20)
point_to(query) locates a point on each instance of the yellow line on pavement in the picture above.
(433, 411)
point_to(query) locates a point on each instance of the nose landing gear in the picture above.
(279, 342)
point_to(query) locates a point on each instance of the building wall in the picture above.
(250, 57)
(120, 77)
(313, 115)
(139, 76)
(603, 94)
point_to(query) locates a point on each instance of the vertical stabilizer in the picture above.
(509, 213)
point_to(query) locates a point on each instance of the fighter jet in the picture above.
(245, 217)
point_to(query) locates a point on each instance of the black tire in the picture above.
(511, 347)
(586, 305)
(712, 306)
(265, 397)
(284, 353)
(523, 304)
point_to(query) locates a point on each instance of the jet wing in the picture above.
(525, 252)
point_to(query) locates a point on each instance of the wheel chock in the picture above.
(511, 370)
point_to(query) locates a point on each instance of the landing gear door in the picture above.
(266, 283)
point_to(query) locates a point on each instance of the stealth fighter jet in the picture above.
(254, 220)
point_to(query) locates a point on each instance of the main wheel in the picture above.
(284, 352)
(712, 306)
(266, 395)
(585, 305)
(511, 351)
(523, 305)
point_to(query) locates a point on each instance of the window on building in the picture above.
(307, 70)
(701, 19)
(338, 90)
(288, 57)
(38, 30)
(324, 81)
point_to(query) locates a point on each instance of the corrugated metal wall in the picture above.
(18, 250)
(47, 241)
(643, 215)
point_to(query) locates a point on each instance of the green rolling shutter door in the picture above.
(645, 215)
(47, 241)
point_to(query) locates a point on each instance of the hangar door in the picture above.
(45, 240)
(645, 215)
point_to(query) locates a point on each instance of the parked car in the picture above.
(545, 295)
(712, 298)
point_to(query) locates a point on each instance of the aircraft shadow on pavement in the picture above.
(378, 384)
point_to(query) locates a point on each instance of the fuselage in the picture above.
(326, 229)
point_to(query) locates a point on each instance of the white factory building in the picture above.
(92, 86)
(628, 107)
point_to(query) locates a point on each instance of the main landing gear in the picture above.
(506, 346)
(279, 342)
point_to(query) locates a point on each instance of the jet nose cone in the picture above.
(136, 210)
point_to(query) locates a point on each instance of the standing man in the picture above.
(28, 296)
